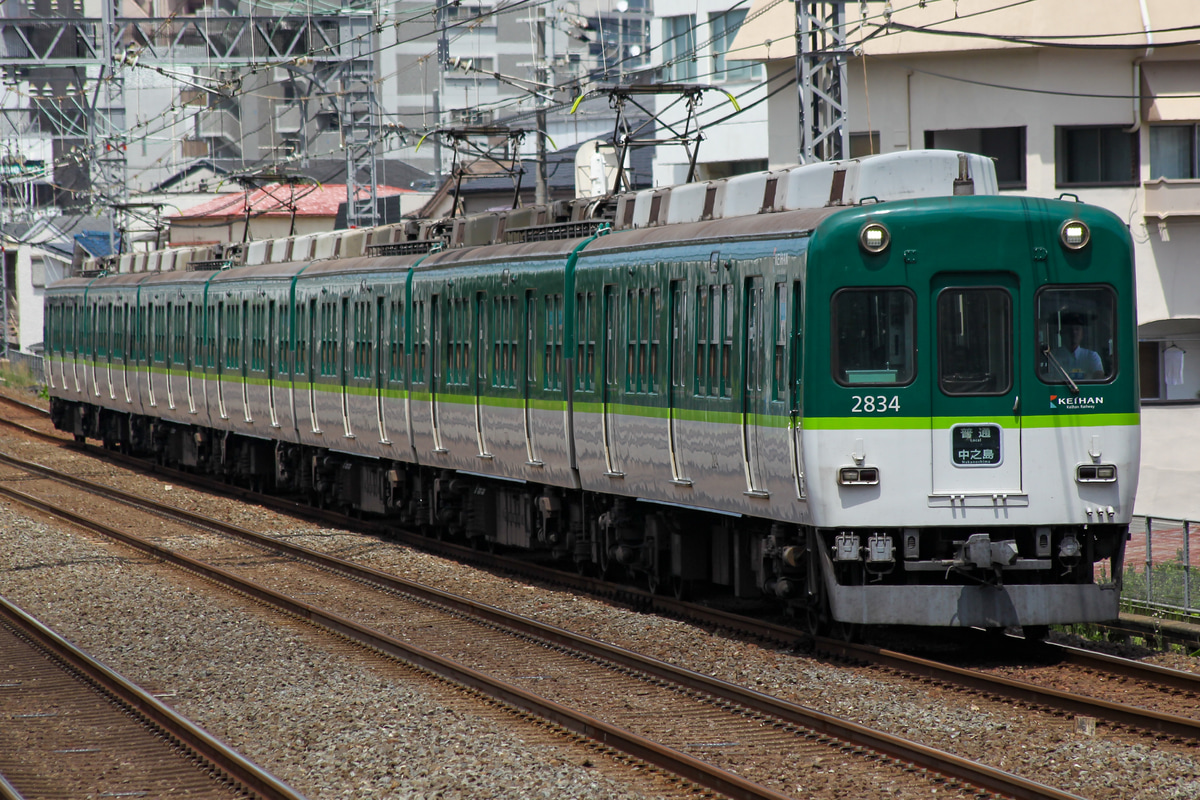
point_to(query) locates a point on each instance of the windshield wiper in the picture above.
(1061, 368)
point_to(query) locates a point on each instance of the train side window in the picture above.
(1076, 334)
(874, 337)
(396, 341)
(727, 343)
(552, 366)
(585, 337)
(974, 329)
(179, 334)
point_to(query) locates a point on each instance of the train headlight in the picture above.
(1096, 473)
(874, 238)
(858, 476)
(1074, 234)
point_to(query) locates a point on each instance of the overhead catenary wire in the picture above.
(888, 28)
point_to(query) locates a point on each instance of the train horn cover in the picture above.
(874, 238)
(1074, 234)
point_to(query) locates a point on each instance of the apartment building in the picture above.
(1096, 99)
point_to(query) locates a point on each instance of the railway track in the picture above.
(727, 738)
(1042, 674)
(1041, 663)
(74, 728)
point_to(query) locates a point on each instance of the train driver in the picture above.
(1078, 361)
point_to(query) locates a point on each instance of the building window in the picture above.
(679, 48)
(1096, 156)
(1150, 382)
(724, 29)
(1173, 152)
(1005, 146)
(864, 144)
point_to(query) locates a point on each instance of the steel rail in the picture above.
(1144, 719)
(246, 773)
(668, 759)
(895, 747)
(8, 791)
(1158, 722)
(1164, 676)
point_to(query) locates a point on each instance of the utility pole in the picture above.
(821, 80)
(541, 193)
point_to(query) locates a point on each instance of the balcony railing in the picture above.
(1172, 198)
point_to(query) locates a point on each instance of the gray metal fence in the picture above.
(34, 363)
(1162, 565)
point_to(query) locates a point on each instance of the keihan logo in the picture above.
(1075, 403)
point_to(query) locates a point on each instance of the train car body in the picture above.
(920, 411)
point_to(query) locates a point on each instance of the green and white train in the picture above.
(872, 389)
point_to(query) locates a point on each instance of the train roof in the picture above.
(770, 202)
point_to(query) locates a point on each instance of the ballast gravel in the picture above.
(334, 730)
(311, 715)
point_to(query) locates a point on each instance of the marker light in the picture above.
(874, 238)
(1096, 473)
(858, 476)
(1074, 234)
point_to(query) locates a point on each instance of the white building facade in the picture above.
(692, 42)
(1097, 99)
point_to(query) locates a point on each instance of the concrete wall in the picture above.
(1170, 476)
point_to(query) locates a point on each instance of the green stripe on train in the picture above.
(928, 423)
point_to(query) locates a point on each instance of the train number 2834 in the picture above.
(875, 404)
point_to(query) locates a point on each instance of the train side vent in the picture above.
(415, 247)
(562, 230)
(211, 265)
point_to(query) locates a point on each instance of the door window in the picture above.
(975, 341)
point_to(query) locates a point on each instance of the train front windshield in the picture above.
(1075, 334)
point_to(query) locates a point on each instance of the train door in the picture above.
(243, 350)
(675, 357)
(976, 428)
(795, 346)
(480, 367)
(529, 370)
(222, 347)
(754, 399)
(379, 338)
(147, 328)
(271, 342)
(170, 354)
(435, 369)
(345, 347)
(93, 322)
(127, 358)
(106, 337)
(189, 359)
(313, 347)
(611, 355)
(71, 331)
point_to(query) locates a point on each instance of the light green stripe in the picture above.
(866, 423)
(1081, 420)
(927, 423)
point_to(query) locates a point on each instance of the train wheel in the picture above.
(815, 621)
(653, 582)
(847, 631)
(1035, 633)
(680, 587)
